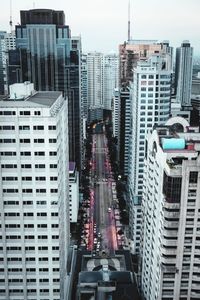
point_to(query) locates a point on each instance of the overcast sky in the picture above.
(102, 24)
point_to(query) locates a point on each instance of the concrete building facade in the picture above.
(171, 213)
(183, 74)
(34, 202)
(150, 104)
(73, 192)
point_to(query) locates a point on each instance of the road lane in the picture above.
(101, 198)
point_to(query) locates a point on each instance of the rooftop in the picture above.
(41, 99)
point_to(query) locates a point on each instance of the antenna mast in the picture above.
(129, 21)
(11, 23)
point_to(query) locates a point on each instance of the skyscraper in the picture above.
(133, 51)
(48, 56)
(7, 42)
(183, 73)
(150, 103)
(171, 213)
(95, 80)
(124, 130)
(110, 78)
(34, 196)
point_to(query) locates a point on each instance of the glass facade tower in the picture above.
(46, 55)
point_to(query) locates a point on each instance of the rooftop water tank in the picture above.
(173, 144)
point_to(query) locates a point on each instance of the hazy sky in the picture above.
(103, 23)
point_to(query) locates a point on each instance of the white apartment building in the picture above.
(150, 99)
(95, 80)
(111, 78)
(171, 213)
(84, 85)
(34, 179)
(102, 79)
(116, 113)
(73, 192)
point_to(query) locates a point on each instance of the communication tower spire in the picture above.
(11, 22)
(129, 21)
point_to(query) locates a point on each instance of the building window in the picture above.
(25, 141)
(25, 153)
(7, 113)
(38, 141)
(25, 113)
(40, 190)
(7, 141)
(38, 127)
(39, 153)
(37, 113)
(40, 166)
(193, 177)
(52, 141)
(52, 153)
(7, 127)
(53, 166)
(27, 178)
(40, 178)
(52, 127)
(24, 127)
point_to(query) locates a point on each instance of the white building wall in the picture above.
(170, 239)
(34, 200)
(95, 79)
(110, 77)
(150, 105)
(116, 113)
(74, 198)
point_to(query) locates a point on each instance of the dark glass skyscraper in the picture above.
(47, 56)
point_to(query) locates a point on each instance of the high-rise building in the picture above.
(111, 78)
(48, 56)
(150, 104)
(84, 85)
(95, 80)
(7, 42)
(124, 130)
(73, 192)
(183, 74)
(34, 202)
(116, 114)
(171, 213)
(103, 74)
(138, 50)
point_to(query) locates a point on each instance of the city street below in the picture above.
(102, 226)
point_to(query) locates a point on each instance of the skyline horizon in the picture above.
(142, 27)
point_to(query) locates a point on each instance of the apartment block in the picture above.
(34, 206)
(171, 213)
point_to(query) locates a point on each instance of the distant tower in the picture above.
(183, 73)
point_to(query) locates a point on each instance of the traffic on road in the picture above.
(101, 211)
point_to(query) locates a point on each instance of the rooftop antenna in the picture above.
(11, 22)
(129, 21)
(34, 5)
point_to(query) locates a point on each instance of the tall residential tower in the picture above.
(171, 213)
(34, 204)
